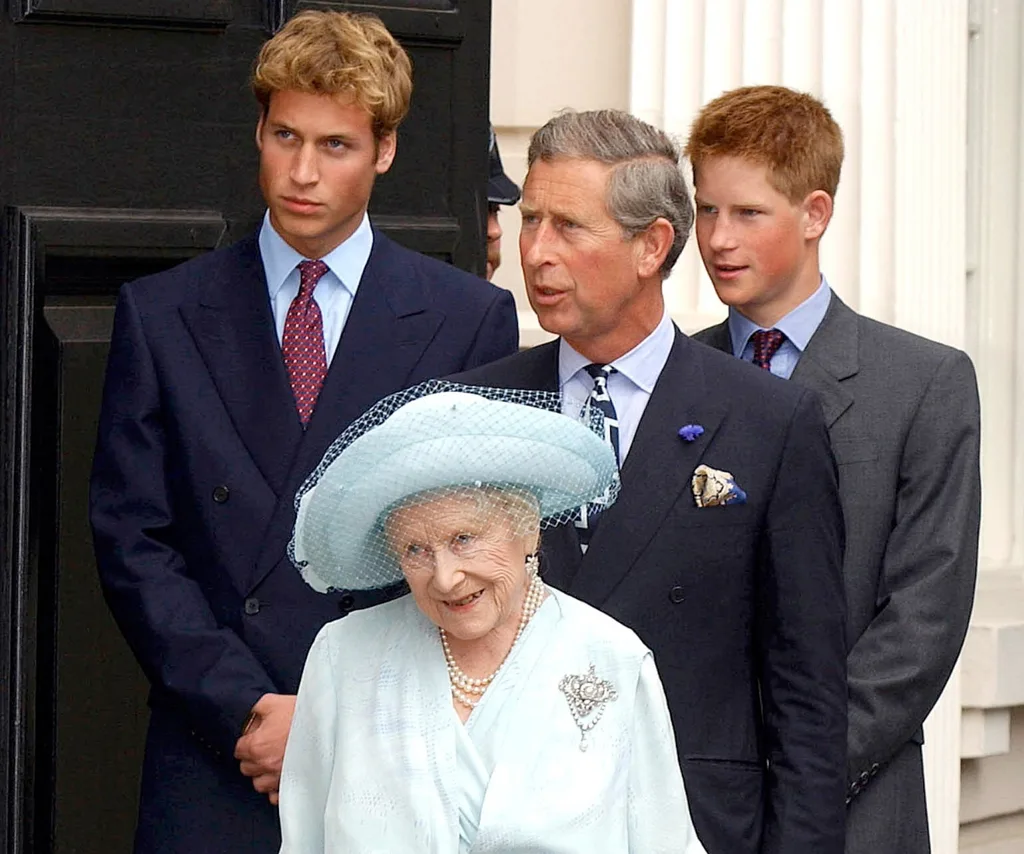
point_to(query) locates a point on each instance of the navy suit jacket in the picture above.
(742, 605)
(199, 456)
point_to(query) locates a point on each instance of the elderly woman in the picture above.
(484, 712)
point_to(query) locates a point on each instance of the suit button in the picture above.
(676, 595)
(345, 603)
(220, 494)
(252, 606)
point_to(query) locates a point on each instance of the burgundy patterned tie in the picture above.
(303, 341)
(766, 344)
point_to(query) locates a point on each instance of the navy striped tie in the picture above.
(601, 400)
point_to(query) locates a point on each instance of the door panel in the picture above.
(126, 146)
(180, 13)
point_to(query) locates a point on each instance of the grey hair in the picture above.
(646, 182)
(516, 508)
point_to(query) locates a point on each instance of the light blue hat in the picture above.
(431, 438)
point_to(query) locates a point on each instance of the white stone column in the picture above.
(930, 269)
(686, 52)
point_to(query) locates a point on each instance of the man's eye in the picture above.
(705, 209)
(283, 134)
(749, 212)
(335, 144)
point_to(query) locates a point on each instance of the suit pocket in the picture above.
(740, 765)
(726, 799)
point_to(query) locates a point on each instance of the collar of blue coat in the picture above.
(798, 326)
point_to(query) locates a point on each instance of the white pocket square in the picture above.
(713, 488)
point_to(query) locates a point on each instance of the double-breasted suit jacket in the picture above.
(199, 456)
(742, 605)
(903, 420)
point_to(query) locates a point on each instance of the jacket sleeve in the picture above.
(900, 664)
(498, 333)
(203, 667)
(309, 756)
(658, 816)
(802, 646)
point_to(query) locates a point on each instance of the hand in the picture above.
(260, 750)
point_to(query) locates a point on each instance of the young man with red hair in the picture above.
(903, 420)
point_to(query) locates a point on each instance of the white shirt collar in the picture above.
(798, 326)
(347, 260)
(642, 365)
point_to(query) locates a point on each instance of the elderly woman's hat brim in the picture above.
(441, 440)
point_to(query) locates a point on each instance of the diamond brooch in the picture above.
(588, 697)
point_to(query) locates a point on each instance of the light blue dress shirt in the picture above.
(334, 292)
(798, 326)
(629, 387)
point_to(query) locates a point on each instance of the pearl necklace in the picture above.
(469, 691)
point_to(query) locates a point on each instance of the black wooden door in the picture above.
(126, 146)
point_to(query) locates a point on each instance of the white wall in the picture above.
(547, 55)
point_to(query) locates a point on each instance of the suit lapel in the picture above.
(831, 356)
(657, 470)
(717, 336)
(536, 368)
(233, 328)
(388, 328)
(561, 556)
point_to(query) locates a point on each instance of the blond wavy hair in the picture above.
(338, 53)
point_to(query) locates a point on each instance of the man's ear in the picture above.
(654, 245)
(386, 147)
(817, 214)
(259, 131)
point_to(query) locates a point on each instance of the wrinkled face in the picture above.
(493, 240)
(465, 562)
(582, 274)
(318, 162)
(753, 240)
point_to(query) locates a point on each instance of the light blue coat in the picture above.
(378, 760)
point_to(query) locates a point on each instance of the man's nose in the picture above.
(493, 227)
(721, 236)
(535, 245)
(305, 168)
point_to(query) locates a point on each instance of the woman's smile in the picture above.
(465, 603)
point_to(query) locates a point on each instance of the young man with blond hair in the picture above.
(228, 378)
(903, 420)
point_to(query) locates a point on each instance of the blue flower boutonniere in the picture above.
(690, 432)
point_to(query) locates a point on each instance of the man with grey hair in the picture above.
(723, 550)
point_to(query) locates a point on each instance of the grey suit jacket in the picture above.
(903, 418)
